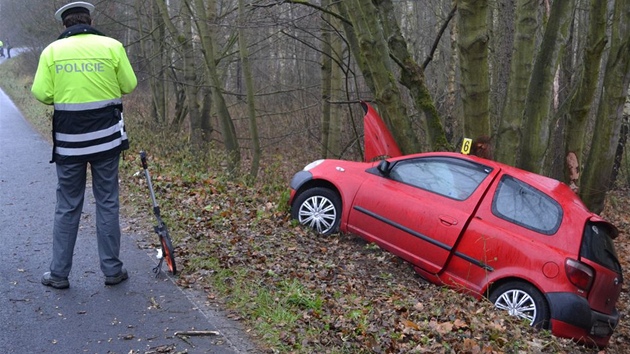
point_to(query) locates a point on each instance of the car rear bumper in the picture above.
(572, 317)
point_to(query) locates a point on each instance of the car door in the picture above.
(598, 251)
(418, 207)
(510, 235)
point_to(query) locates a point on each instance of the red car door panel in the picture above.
(419, 225)
(598, 252)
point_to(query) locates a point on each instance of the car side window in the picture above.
(524, 205)
(450, 177)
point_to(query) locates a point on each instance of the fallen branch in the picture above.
(197, 333)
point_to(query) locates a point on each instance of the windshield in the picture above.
(597, 246)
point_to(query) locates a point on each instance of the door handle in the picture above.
(447, 220)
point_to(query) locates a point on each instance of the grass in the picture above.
(18, 89)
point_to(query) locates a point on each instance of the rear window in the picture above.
(524, 205)
(597, 246)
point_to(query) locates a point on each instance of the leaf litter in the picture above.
(340, 294)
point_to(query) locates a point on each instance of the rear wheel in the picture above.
(523, 300)
(318, 208)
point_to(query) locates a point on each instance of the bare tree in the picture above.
(152, 37)
(327, 65)
(473, 53)
(580, 102)
(509, 134)
(374, 61)
(537, 115)
(203, 16)
(433, 79)
(596, 180)
(249, 84)
(183, 38)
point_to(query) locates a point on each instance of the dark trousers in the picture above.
(71, 182)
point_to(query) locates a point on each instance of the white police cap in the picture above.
(77, 6)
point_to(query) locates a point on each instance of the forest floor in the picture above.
(303, 293)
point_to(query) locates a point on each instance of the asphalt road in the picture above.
(141, 315)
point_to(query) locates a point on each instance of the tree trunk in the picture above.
(537, 114)
(451, 120)
(412, 77)
(509, 133)
(375, 64)
(191, 85)
(502, 37)
(327, 62)
(596, 179)
(353, 45)
(206, 112)
(621, 147)
(249, 86)
(181, 109)
(151, 41)
(473, 54)
(580, 104)
(337, 94)
(230, 140)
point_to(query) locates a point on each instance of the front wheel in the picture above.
(168, 254)
(318, 208)
(523, 300)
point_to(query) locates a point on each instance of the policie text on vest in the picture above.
(79, 67)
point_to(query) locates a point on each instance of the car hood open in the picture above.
(378, 140)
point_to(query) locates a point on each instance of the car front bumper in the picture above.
(298, 180)
(572, 317)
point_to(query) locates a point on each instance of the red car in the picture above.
(525, 241)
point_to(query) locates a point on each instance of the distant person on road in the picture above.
(84, 75)
(1, 49)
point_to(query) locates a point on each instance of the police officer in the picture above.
(84, 75)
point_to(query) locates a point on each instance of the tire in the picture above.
(318, 208)
(167, 253)
(523, 300)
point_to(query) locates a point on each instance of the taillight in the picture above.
(579, 274)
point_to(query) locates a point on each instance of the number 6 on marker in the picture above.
(466, 145)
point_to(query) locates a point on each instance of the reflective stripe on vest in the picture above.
(73, 107)
(61, 138)
(90, 149)
(76, 138)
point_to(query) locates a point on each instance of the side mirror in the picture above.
(384, 167)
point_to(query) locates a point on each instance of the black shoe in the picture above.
(57, 283)
(117, 279)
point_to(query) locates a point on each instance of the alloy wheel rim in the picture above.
(318, 213)
(517, 303)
